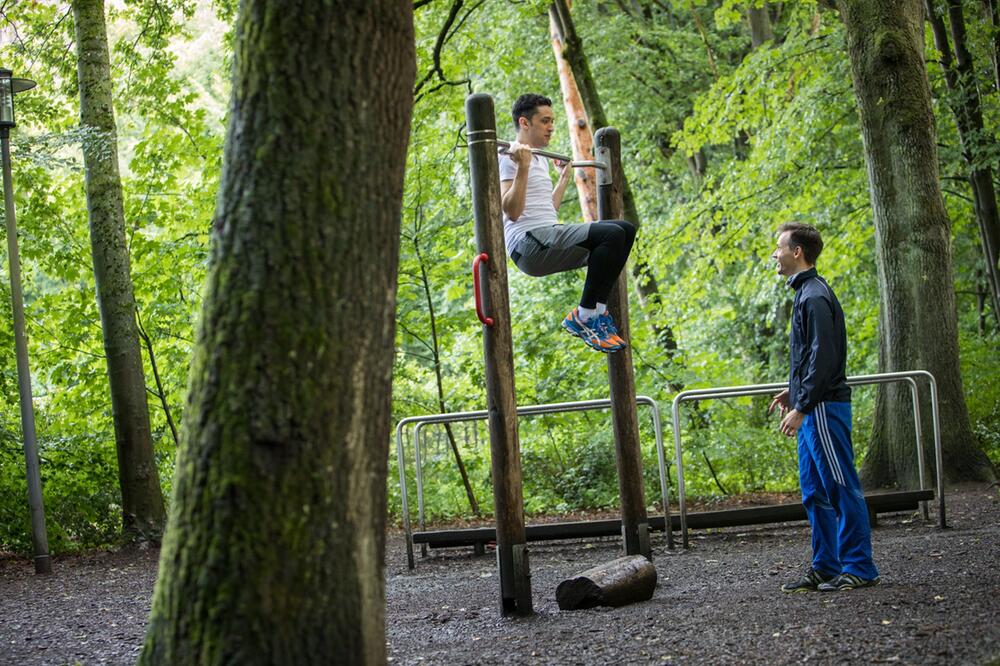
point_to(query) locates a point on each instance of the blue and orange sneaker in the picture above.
(606, 325)
(589, 333)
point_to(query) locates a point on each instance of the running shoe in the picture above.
(847, 582)
(810, 582)
(606, 325)
(588, 332)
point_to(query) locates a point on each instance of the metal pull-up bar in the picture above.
(597, 164)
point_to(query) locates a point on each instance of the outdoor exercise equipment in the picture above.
(492, 304)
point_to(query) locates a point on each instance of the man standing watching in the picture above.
(817, 406)
(539, 245)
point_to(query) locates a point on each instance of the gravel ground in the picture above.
(716, 603)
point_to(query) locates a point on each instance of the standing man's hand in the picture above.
(520, 153)
(780, 400)
(790, 424)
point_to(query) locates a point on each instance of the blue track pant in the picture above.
(832, 495)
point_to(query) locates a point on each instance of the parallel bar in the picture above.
(764, 389)
(878, 502)
(524, 410)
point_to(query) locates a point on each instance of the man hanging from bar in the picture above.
(816, 407)
(540, 245)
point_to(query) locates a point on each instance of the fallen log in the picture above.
(619, 582)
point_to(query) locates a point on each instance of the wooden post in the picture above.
(498, 351)
(635, 524)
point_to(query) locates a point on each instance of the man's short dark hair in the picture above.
(805, 236)
(527, 106)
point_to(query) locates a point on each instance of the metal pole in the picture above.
(405, 509)
(39, 537)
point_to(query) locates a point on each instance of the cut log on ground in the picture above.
(619, 582)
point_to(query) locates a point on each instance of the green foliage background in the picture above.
(706, 236)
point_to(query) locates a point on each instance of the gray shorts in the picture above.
(548, 250)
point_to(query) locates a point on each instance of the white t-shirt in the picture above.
(538, 208)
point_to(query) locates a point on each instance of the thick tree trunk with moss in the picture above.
(275, 544)
(917, 318)
(142, 499)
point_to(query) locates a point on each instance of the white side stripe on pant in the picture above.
(823, 431)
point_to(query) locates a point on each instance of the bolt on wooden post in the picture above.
(621, 376)
(498, 351)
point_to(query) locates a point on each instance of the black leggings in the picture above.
(609, 243)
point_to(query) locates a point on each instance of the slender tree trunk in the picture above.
(142, 499)
(275, 545)
(645, 281)
(917, 318)
(436, 351)
(959, 74)
(992, 8)
(760, 25)
(580, 133)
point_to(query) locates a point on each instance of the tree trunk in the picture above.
(992, 8)
(917, 318)
(142, 499)
(760, 25)
(439, 380)
(275, 545)
(579, 127)
(959, 74)
(645, 281)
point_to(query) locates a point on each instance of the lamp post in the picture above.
(43, 564)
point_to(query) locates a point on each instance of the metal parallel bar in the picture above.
(525, 410)
(420, 482)
(762, 389)
(401, 464)
(774, 513)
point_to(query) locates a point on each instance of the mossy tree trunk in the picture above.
(917, 317)
(274, 548)
(142, 499)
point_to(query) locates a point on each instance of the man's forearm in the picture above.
(513, 199)
(559, 191)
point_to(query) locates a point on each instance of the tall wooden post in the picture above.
(635, 524)
(498, 351)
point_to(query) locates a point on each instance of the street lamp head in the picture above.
(8, 88)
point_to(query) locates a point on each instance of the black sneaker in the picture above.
(810, 582)
(847, 582)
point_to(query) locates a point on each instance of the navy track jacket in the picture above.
(818, 344)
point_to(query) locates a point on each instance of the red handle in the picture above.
(488, 321)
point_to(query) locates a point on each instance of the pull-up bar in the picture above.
(597, 164)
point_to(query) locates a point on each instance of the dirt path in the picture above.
(716, 603)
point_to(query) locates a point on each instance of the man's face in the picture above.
(537, 132)
(788, 260)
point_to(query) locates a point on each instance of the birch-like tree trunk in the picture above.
(580, 134)
(274, 549)
(917, 318)
(142, 499)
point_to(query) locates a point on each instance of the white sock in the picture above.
(602, 308)
(586, 314)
